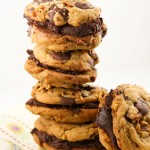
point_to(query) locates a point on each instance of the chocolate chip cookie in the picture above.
(74, 113)
(58, 77)
(124, 119)
(53, 135)
(59, 42)
(65, 25)
(70, 60)
(62, 12)
(76, 95)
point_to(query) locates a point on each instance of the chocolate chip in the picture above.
(104, 121)
(142, 106)
(61, 56)
(54, 9)
(92, 79)
(64, 13)
(67, 101)
(30, 52)
(51, 16)
(83, 5)
(87, 87)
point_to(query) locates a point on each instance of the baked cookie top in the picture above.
(124, 115)
(47, 94)
(64, 131)
(61, 12)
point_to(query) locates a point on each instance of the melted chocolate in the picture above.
(104, 120)
(83, 5)
(55, 9)
(66, 145)
(86, 29)
(61, 56)
(142, 106)
(90, 105)
(67, 101)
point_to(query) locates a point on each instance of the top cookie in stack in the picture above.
(62, 25)
(66, 32)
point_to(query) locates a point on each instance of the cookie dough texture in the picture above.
(130, 110)
(61, 12)
(69, 132)
(70, 60)
(58, 42)
(56, 78)
(52, 95)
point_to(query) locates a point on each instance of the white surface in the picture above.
(124, 52)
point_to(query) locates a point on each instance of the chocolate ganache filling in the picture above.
(85, 29)
(38, 63)
(104, 120)
(89, 105)
(66, 145)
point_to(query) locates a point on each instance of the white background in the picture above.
(124, 52)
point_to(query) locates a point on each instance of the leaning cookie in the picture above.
(124, 119)
(80, 94)
(59, 42)
(70, 60)
(53, 135)
(75, 113)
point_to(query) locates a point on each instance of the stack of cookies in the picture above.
(63, 60)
